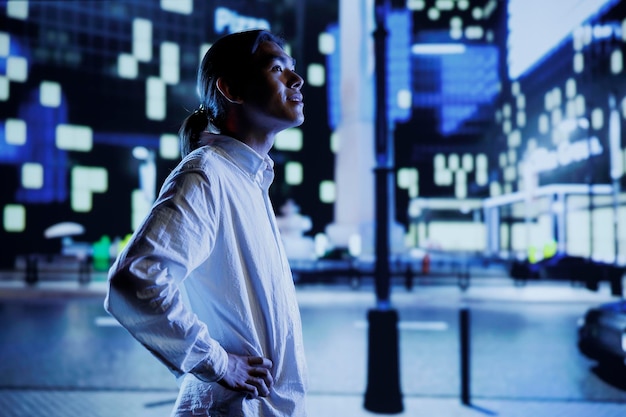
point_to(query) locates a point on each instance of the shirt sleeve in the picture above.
(144, 292)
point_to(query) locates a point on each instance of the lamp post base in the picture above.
(383, 378)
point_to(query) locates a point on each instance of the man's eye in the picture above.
(277, 68)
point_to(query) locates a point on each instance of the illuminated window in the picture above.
(415, 4)
(17, 9)
(474, 32)
(617, 61)
(408, 179)
(15, 131)
(463, 4)
(453, 161)
(32, 175)
(127, 66)
(140, 207)
(579, 63)
(433, 14)
(5, 42)
(467, 162)
(155, 98)
(50, 94)
(335, 139)
(170, 57)
(521, 118)
(4, 88)
(326, 43)
(85, 182)
(544, 123)
(460, 184)
(597, 118)
(316, 75)
(327, 192)
(481, 169)
(444, 4)
(169, 147)
(404, 99)
(14, 218)
(74, 137)
(570, 88)
(289, 140)
(142, 39)
(177, 6)
(293, 173)
(17, 68)
(521, 101)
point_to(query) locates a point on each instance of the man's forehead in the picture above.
(269, 51)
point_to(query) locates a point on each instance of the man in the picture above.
(204, 283)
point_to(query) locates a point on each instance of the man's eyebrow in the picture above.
(284, 59)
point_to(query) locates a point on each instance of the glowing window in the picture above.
(17, 9)
(142, 39)
(85, 182)
(50, 94)
(127, 66)
(444, 4)
(140, 207)
(453, 161)
(433, 14)
(404, 99)
(474, 32)
(74, 137)
(289, 140)
(316, 75)
(169, 147)
(460, 184)
(177, 6)
(5, 42)
(327, 192)
(463, 4)
(32, 175)
(293, 173)
(155, 98)
(14, 218)
(467, 162)
(15, 131)
(415, 4)
(597, 119)
(617, 61)
(335, 139)
(170, 57)
(17, 68)
(579, 63)
(4, 88)
(326, 43)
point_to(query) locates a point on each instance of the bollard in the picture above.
(464, 330)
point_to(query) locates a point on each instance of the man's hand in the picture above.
(248, 374)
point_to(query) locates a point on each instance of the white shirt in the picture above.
(206, 274)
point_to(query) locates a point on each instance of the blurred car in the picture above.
(602, 333)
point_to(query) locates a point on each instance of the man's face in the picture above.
(273, 100)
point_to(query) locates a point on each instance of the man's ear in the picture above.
(227, 91)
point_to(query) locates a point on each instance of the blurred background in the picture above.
(504, 135)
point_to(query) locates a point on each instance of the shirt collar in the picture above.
(246, 158)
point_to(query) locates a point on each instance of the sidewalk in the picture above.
(38, 401)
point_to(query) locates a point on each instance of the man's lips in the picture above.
(296, 98)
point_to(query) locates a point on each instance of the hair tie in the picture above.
(201, 110)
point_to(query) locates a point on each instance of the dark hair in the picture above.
(230, 57)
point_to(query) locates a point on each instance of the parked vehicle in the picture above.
(602, 333)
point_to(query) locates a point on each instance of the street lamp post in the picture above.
(383, 379)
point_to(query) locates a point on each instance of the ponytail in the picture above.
(191, 129)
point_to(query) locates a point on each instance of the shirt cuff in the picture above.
(214, 366)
